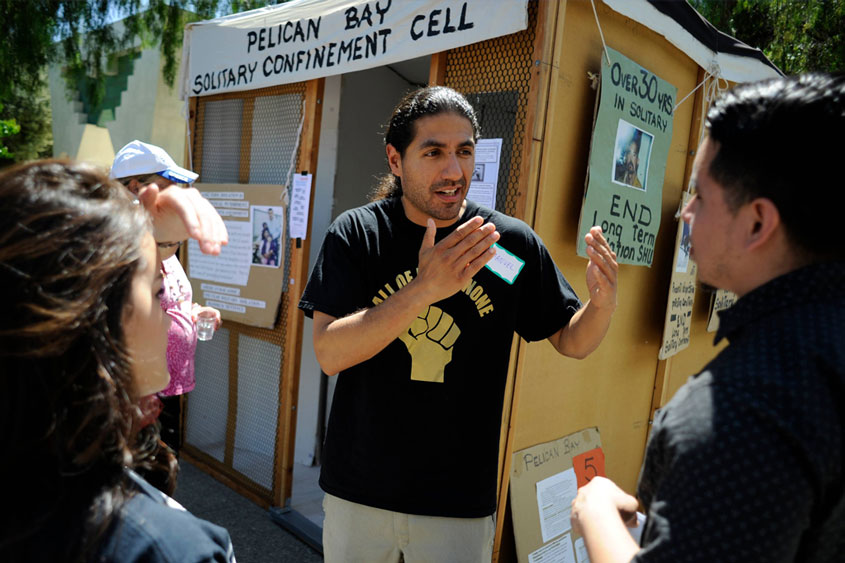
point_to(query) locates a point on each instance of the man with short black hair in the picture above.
(745, 463)
(416, 309)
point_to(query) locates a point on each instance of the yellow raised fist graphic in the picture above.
(429, 340)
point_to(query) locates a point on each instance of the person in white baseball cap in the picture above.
(178, 211)
(142, 159)
(147, 171)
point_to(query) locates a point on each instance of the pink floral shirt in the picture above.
(177, 302)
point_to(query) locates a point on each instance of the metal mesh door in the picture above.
(495, 76)
(233, 417)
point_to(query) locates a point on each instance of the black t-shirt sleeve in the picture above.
(548, 301)
(335, 287)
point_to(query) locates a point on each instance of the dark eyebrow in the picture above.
(431, 143)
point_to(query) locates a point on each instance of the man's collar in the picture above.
(813, 283)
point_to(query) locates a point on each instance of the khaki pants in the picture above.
(355, 532)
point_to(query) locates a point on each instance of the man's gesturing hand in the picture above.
(446, 267)
(601, 270)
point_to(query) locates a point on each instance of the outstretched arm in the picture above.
(587, 327)
(180, 213)
(444, 268)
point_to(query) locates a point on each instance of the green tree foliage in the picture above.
(79, 35)
(8, 127)
(796, 35)
(33, 116)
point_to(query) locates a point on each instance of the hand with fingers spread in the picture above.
(180, 213)
(602, 270)
(446, 267)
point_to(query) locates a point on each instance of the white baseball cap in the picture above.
(142, 158)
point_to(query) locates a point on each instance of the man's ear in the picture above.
(763, 222)
(394, 160)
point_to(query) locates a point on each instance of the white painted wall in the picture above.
(150, 111)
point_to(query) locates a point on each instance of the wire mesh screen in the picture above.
(495, 76)
(220, 147)
(232, 421)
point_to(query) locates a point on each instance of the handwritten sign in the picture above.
(543, 481)
(305, 40)
(630, 147)
(676, 326)
(723, 299)
(299, 203)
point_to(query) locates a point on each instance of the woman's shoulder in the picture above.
(153, 527)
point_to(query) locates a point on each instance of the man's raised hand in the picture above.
(446, 267)
(602, 270)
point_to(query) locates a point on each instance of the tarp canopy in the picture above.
(714, 51)
(306, 39)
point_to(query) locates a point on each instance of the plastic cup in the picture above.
(205, 328)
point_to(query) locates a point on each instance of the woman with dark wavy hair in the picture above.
(82, 337)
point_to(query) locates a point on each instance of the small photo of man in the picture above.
(631, 155)
(267, 236)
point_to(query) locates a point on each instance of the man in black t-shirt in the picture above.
(415, 299)
(747, 461)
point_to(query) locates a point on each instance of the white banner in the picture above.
(306, 39)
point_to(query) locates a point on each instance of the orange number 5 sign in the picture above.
(588, 465)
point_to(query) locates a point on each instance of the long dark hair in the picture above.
(401, 128)
(70, 245)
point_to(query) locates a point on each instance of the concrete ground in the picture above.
(257, 539)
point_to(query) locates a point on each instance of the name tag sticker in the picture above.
(505, 264)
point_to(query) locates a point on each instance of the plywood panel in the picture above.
(613, 388)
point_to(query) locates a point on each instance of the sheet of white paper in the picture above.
(485, 177)
(226, 306)
(229, 204)
(223, 195)
(637, 532)
(559, 551)
(581, 554)
(299, 205)
(483, 193)
(239, 213)
(220, 289)
(231, 265)
(554, 501)
(212, 296)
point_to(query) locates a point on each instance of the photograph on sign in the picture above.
(267, 229)
(630, 159)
